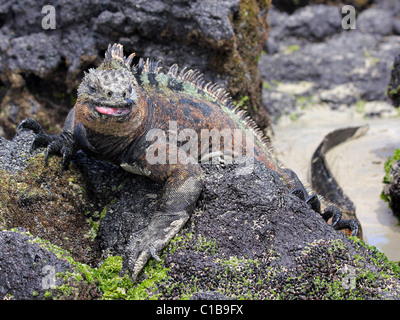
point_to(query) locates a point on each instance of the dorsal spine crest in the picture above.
(195, 78)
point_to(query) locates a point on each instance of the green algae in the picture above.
(110, 282)
(388, 178)
(50, 203)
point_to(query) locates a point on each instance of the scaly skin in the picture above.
(123, 114)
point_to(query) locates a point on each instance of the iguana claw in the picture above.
(140, 250)
(153, 252)
(30, 124)
(299, 193)
(314, 203)
(334, 213)
(329, 212)
(56, 144)
(312, 200)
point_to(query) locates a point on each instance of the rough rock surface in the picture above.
(248, 237)
(391, 189)
(23, 266)
(336, 67)
(394, 84)
(376, 21)
(30, 200)
(305, 23)
(29, 269)
(40, 69)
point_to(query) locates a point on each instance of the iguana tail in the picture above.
(322, 179)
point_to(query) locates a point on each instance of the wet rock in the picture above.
(378, 109)
(352, 60)
(341, 94)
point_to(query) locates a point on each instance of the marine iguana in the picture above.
(123, 114)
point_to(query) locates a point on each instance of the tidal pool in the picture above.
(358, 164)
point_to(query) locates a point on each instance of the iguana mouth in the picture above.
(113, 111)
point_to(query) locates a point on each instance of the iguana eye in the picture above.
(109, 94)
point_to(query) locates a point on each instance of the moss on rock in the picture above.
(251, 31)
(50, 203)
(326, 270)
(391, 180)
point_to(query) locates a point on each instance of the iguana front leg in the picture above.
(67, 143)
(63, 143)
(181, 191)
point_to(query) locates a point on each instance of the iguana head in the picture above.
(111, 89)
